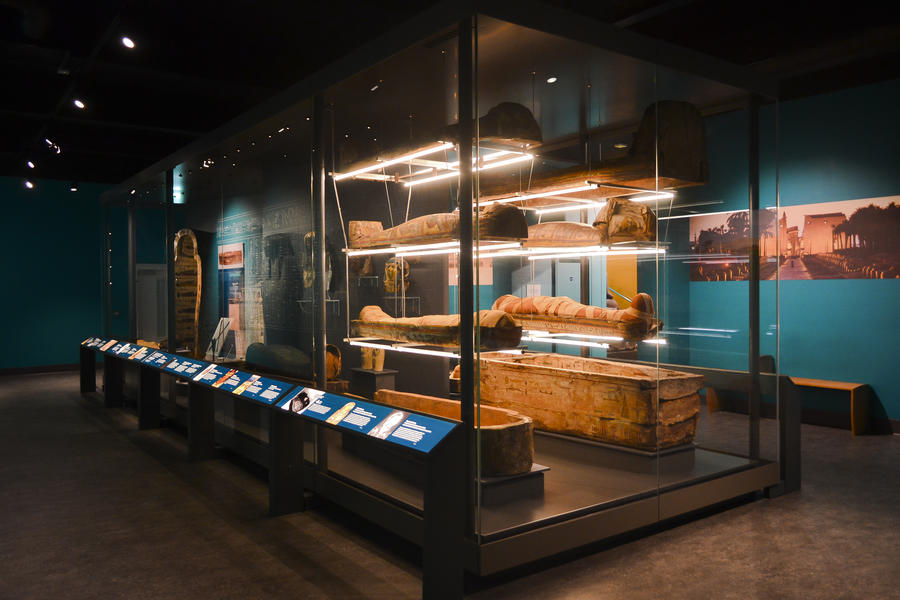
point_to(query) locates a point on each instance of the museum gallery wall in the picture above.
(51, 244)
(837, 155)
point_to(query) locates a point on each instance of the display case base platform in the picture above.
(592, 492)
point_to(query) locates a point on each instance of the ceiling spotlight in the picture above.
(551, 80)
(127, 42)
(48, 142)
(78, 103)
(30, 164)
(132, 192)
(620, 146)
(29, 185)
(373, 88)
(73, 187)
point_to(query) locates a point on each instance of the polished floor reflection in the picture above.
(93, 508)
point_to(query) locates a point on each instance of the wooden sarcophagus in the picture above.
(507, 443)
(630, 405)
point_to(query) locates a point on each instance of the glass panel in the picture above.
(242, 213)
(706, 284)
(392, 161)
(594, 166)
(145, 205)
(630, 152)
(117, 318)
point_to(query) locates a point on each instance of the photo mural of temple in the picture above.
(852, 239)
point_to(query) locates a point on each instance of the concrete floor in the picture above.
(93, 508)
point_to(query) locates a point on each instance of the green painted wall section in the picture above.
(52, 250)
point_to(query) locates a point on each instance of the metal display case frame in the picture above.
(483, 556)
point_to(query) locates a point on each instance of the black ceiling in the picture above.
(198, 63)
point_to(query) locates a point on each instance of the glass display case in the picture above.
(562, 238)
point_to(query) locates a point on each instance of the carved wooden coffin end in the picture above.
(507, 437)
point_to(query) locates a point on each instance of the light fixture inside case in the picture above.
(430, 249)
(586, 187)
(484, 167)
(564, 342)
(402, 348)
(438, 147)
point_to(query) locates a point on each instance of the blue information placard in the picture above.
(114, 349)
(402, 427)
(158, 359)
(262, 389)
(107, 345)
(184, 367)
(93, 342)
(231, 380)
(125, 350)
(209, 375)
(140, 353)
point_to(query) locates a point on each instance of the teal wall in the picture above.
(52, 250)
(838, 146)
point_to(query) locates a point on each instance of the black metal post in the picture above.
(753, 177)
(170, 260)
(789, 441)
(466, 279)
(318, 202)
(445, 520)
(201, 423)
(132, 275)
(148, 398)
(285, 462)
(113, 382)
(88, 367)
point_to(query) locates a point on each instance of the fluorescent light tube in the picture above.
(550, 340)
(406, 157)
(569, 207)
(581, 188)
(492, 165)
(407, 349)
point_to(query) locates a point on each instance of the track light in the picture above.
(78, 104)
(30, 164)
(127, 42)
(29, 185)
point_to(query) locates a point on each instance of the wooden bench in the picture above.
(859, 398)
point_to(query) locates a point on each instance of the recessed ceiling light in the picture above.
(78, 103)
(551, 80)
(29, 185)
(30, 164)
(620, 146)
(132, 192)
(73, 187)
(127, 42)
